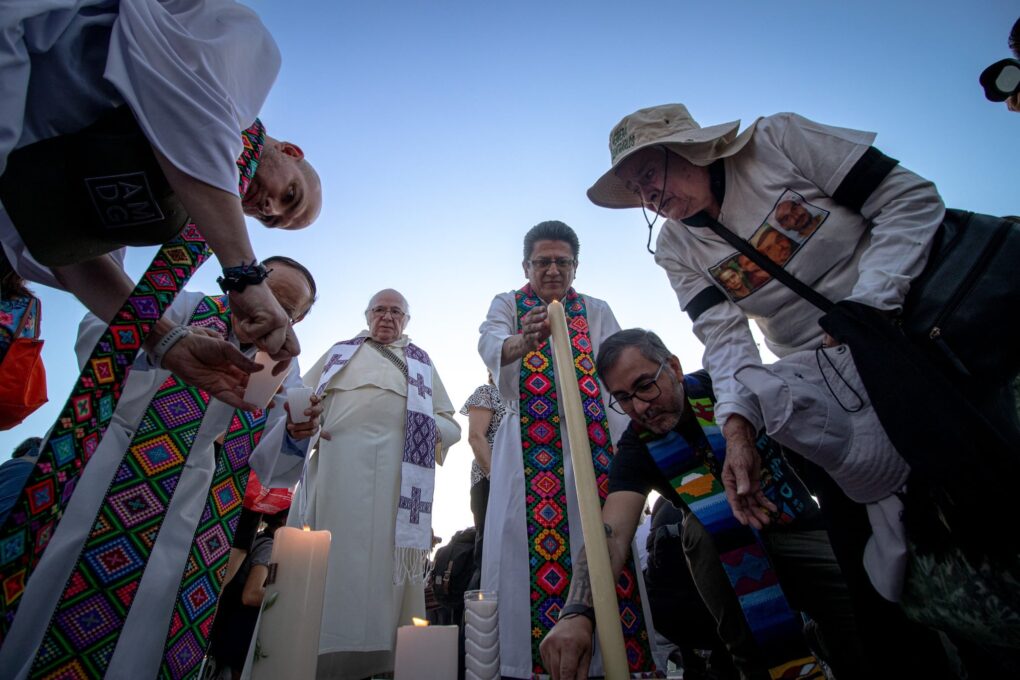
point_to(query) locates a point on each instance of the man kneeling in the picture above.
(673, 446)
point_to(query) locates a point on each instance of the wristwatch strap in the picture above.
(577, 609)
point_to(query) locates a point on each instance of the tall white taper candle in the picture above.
(603, 586)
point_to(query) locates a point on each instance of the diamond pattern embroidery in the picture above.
(118, 545)
(85, 416)
(547, 525)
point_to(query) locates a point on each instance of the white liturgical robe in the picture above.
(505, 557)
(351, 488)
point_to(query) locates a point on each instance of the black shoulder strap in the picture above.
(777, 272)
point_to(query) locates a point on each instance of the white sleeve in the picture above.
(905, 211)
(608, 325)
(724, 332)
(824, 154)
(274, 468)
(443, 411)
(193, 68)
(500, 323)
(92, 327)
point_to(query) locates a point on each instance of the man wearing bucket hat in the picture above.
(874, 225)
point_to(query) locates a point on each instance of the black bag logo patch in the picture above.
(123, 200)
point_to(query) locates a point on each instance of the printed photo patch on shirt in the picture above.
(785, 229)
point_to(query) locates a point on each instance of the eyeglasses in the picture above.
(647, 392)
(546, 262)
(395, 312)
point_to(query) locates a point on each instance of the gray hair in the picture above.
(648, 343)
(552, 230)
(301, 269)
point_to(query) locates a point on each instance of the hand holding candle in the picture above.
(603, 586)
(535, 327)
(263, 384)
(299, 399)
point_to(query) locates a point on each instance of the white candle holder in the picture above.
(481, 635)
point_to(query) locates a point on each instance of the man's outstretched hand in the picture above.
(208, 362)
(741, 474)
(259, 319)
(566, 650)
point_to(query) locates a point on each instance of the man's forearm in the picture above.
(514, 347)
(580, 582)
(100, 284)
(216, 212)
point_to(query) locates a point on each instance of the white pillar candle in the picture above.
(426, 652)
(481, 635)
(600, 571)
(299, 399)
(262, 384)
(288, 634)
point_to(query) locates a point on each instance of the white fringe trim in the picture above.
(409, 565)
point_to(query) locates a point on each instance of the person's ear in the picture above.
(292, 150)
(674, 365)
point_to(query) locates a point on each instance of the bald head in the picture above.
(286, 192)
(387, 315)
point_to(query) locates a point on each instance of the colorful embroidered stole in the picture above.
(692, 468)
(542, 446)
(84, 418)
(86, 624)
(195, 610)
(413, 537)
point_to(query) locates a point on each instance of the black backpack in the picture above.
(453, 568)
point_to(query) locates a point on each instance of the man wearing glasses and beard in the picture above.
(532, 530)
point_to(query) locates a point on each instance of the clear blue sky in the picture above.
(443, 131)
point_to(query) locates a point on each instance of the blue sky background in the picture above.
(443, 131)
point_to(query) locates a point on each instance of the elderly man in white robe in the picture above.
(157, 479)
(387, 421)
(532, 526)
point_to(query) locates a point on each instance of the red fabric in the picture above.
(267, 501)
(22, 381)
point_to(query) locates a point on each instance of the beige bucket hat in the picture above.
(672, 126)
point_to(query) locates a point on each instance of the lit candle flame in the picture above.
(307, 528)
(419, 622)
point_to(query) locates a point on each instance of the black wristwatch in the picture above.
(577, 609)
(238, 278)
